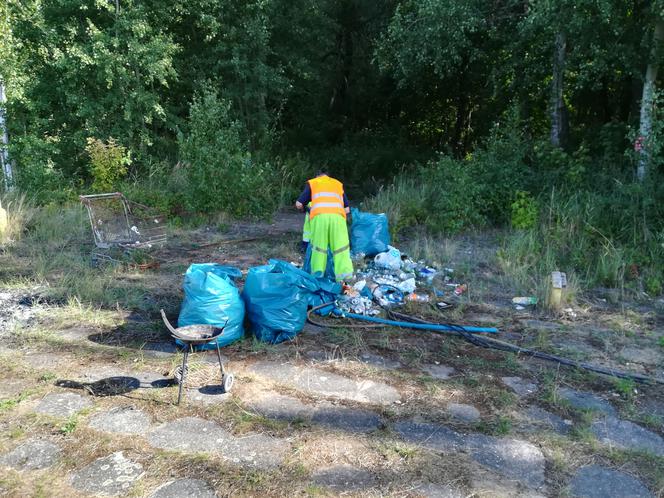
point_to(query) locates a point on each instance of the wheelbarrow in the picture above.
(196, 335)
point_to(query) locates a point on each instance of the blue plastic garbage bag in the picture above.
(277, 296)
(329, 269)
(369, 233)
(212, 298)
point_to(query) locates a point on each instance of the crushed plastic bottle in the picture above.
(427, 273)
(524, 301)
(418, 298)
(407, 286)
(359, 285)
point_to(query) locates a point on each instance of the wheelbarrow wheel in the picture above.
(227, 382)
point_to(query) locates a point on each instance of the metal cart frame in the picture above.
(117, 226)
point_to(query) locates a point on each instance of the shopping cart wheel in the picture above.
(94, 261)
(227, 382)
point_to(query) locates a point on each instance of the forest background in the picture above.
(540, 117)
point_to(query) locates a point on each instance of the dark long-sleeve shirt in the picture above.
(305, 196)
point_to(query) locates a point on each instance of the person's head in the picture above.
(322, 172)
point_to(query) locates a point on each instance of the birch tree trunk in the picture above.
(647, 102)
(558, 111)
(7, 171)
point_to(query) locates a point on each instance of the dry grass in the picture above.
(18, 214)
(399, 467)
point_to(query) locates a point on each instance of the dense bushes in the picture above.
(568, 210)
(448, 195)
(442, 196)
(611, 239)
(220, 173)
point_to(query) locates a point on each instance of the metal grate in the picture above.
(119, 223)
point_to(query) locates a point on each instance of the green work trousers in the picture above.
(306, 229)
(329, 231)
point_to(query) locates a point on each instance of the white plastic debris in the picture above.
(407, 286)
(391, 259)
(360, 285)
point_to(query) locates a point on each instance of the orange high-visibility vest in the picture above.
(327, 196)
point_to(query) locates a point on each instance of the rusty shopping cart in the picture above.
(123, 229)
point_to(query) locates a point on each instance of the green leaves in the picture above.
(220, 173)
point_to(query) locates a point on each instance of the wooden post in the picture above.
(557, 289)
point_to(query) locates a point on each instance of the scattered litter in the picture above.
(359, 305)
(460, 289)
(408, 264)
(359, 286)
(407, 286)
(570, 312)
(418, 298)
(443, 305)
(391, 278)
(427, 273)
(349, 291)
(518, 307)
(524, 301)
(390, 259)
(388, 295)
(357, 256)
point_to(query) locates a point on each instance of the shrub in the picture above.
(36, 173)
(499, 169)
(441, 196)
(108, 163)
(605, 238)
(220, 173)
(450, 195)
(524, 210)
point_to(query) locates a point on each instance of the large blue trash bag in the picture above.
(329, 269)
(277, 296)
(369, 233)
(211, 298)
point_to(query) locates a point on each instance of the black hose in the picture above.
(491, 343)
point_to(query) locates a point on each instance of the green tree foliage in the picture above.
(108, 163)
(220, 173)
(461, 89)
(90, 71)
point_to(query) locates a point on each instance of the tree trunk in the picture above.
(558, 109)
(647, 103)
(7, 170)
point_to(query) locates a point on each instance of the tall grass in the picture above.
(17, 215)
(594, 245)
(54, 252)
(442, 196)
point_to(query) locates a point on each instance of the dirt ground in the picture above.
(338, 410)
